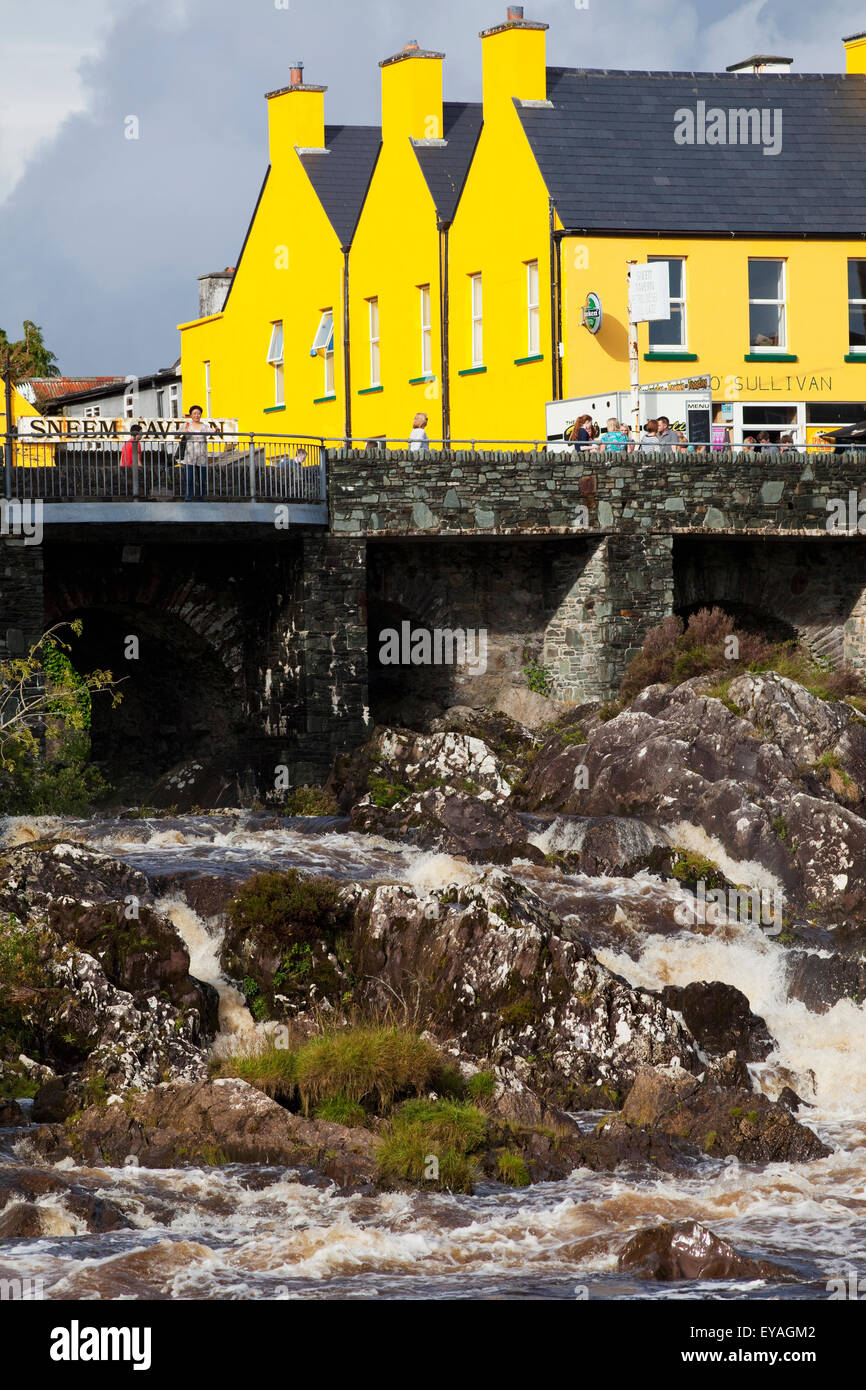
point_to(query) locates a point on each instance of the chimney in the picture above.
(855, 53)
(412, 94)
(514, 63)
(761, 63)
(296, 116)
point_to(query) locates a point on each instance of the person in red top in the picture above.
(131, 457)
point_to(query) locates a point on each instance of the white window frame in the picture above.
(275, 358)
(207, 405)
(533, 310)
(375, 355)
(426, 331)
(91, 412)
(677, 301)
(782, 345)
(860, 304)
(324, 343)
(174, 402)
(476, 291)
(160, 402)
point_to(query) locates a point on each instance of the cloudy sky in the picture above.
(103, 237)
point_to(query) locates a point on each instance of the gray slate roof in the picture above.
(342, 176)
(607, 153)
(446, 165)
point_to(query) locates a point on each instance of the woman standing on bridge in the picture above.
(194, 444)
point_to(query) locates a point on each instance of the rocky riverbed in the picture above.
(633, 943)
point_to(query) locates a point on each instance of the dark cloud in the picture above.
(103, 237)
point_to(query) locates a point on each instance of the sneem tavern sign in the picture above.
(592, 313)
(59, 427)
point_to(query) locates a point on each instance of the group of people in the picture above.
(657, 434)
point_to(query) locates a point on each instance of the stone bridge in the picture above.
(258, 646)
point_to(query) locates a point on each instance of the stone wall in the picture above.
(22, 605)
(494, 493)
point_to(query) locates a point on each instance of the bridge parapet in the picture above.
(656, 492)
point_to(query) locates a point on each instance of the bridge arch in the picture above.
(812, 589)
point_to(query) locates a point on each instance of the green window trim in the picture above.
(272, 409)
(670, 357)
(370, 390)
(522, 361)
(855, 356)
(472, 371)
(770, 357)
(420, 380)
(321, 400)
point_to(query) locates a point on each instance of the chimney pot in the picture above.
(411, 46)
(297, 75)
(515, 12)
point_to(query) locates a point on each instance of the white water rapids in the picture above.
(241, 1232)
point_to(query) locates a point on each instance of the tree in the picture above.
(44, 700)
(29, 355)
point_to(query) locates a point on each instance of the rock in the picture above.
(483, 832)
(528, 708)
(687, 1250)
(11, 1115)
(35, 1202)
(719, 1121)
(448, 757)
(504, 981)
(211, 1122)
(53, 1101)
(720, 1019)
(800, 722)
(605, 845)
(86, 898)
(734, 788)
(819, 982)
(791, 1100)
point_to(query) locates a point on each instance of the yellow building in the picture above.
(443, 262)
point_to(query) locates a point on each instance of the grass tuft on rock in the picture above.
(432, 1143)
(288, 905)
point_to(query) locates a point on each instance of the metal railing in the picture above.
(393, 444)
(238, 468)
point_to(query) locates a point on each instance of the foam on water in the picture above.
(832, 1045)
(204, 963)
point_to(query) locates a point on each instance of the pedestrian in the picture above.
(613, 440)
(650, 437)
(668, 438)
(131, 456)
(786, 442)
(418, 439)
(580, 433)
(767, 445)
(629, 442)
(194, 432)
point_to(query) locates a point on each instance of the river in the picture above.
(242, 1232)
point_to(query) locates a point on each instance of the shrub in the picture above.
(385, 793)
(691, 869)
(310, 801)
(288, 906)
(482, 1086)
(373, 1065)
(432, 1142)
(512, 1169)
(675, 651)
(339, 1110)
(369, 1068)
(539, 678)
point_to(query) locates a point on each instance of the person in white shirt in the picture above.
(418, 438)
